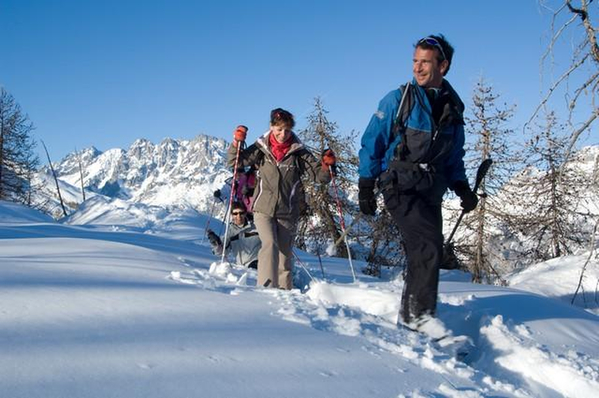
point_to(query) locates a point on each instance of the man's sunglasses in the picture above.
(238, 213)
(431, 41)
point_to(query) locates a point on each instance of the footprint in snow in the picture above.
(327, 373)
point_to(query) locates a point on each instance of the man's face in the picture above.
(428, 71)
(238, 216)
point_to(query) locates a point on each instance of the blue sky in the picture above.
(104, 73)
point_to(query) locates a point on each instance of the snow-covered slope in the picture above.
(561, 277)
(126, 309)
(15, 214)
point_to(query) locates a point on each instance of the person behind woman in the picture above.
(280, 160)
(244, 189)
(242, 238)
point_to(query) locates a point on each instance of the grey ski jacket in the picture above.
(243, 242)
(279, 187)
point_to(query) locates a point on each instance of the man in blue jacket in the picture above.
(414, 147)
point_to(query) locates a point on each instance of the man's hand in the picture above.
(469, 199)
(213, 238)
(247, 191)
(366, 196)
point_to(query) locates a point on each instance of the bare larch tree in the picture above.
(319, 223)
(550, 194)
(578, 81)
(487, 124)
(18, 161)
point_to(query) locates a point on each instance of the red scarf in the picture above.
(279, 149)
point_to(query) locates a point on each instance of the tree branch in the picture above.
(554, 87)
(592, 249)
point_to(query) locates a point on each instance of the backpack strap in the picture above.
(399, 123)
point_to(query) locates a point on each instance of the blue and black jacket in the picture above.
(437, 144)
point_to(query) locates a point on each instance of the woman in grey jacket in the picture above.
(281, 160)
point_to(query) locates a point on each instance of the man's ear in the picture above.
(444, 66)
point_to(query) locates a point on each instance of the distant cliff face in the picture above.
(171, 173)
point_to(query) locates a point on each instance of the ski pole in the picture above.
(320, 262)
(209, 218)
(342, 223)
(301, 264)
(226, 203)
(354, 222)
(318, 247)
(220, 231)
(228, 214)
(349, 228)
(480, 175)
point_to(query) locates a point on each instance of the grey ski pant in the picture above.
(275, 264)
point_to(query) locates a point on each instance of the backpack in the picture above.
(402, 174)
(399, 123)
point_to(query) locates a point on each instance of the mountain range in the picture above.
(173, 173)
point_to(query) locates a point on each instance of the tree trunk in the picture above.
(64, 210)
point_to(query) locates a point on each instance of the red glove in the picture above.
(328, 158)
(240, 134)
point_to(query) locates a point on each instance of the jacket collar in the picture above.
(262, 143)
(238, 228)
(454, 113)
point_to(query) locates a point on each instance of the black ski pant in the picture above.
(419, 220)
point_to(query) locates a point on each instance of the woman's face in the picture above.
(281, 132)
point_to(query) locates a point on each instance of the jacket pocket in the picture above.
(412, 177)
(388, 186)
(257, 194)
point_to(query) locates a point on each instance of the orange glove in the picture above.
(240, 134)
(328, 158)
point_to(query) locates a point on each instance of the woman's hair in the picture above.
(280, 116)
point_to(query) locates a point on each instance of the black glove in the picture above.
(213, 238)
(247, 191)
(366, 196)
(469, 199)
(217, 194)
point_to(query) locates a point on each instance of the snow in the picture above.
(123, 300)
(559, 278)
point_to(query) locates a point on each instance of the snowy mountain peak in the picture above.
(70, 163)
(175, 172)
(587, 159)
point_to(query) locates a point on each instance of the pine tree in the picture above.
(384, 242)
(18, 161)
(377, 237)
(319, 224)
(492, 139)
(550, 193)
